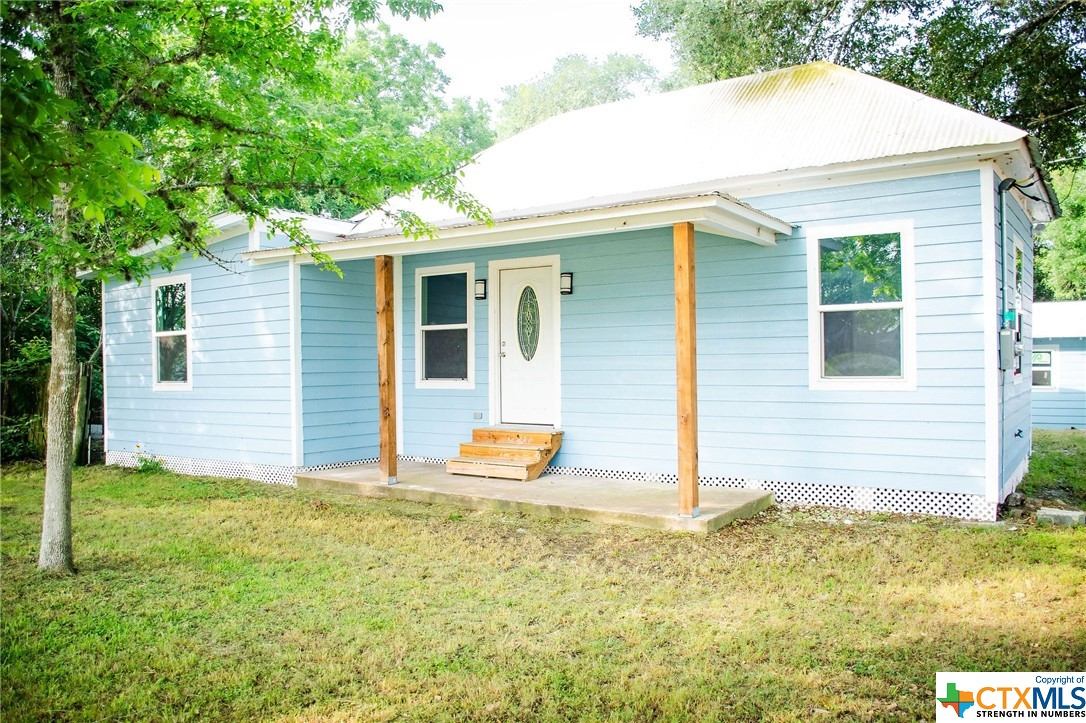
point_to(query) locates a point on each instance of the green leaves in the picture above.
(1061, 249)
(575, 82)
(31, 147)
(178, 110)
(107, 174)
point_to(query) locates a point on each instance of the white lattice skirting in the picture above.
(870, 499)
(272, 474)
(867, 499)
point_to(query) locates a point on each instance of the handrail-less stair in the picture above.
(506, 452)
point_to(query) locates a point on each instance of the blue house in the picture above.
(1059, 365)
(809, 281)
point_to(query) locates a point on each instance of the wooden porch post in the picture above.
(686, 365)
(386, 367)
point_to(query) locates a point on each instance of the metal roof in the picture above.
(806, 116)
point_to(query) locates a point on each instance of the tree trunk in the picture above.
(35, 435)
(79, 415)
(55, 554)
(56, 529)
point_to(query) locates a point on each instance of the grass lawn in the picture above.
(1057, 468)
(211, 599)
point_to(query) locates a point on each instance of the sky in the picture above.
(490, 44)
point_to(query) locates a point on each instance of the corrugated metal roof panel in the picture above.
(806, 116)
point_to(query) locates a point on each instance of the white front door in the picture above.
(527, 345)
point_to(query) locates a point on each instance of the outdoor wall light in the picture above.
(480, 289)
(566, 285)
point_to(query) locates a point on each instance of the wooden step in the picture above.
(508, 453)
(534, 437)
(512, 452)
(488, 468)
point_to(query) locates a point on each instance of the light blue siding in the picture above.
(1064, 405)
(618, 355)
(758, 418)
(239, 407)
(1015, 389)
(338, 364)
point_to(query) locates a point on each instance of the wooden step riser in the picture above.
(482, 469)
(494, 452)
(516, 436)
(475, 450)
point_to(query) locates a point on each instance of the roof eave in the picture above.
(228, 224)
(1034, 150)
(711, 213)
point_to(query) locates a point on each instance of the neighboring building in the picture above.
(844, 311)
(1059, 365)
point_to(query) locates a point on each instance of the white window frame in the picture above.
(1054, 350)
(420, 381)
(1018, 249)
(815, 308)
(157, 385)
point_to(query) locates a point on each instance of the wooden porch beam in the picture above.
(686, 365)
(386, 367)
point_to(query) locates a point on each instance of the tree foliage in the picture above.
(389, 88)
(1061, 248)
(1020, 61)
(128, 123)
(181, 109)
(574, 82)
(25, 331)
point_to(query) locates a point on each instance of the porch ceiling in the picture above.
(713, 213)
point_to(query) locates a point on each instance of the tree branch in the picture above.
(1045, 118)
(1041, 20)
(846, 38)
(250, 185)
(217, 123)
(152, 65)
(811, 43)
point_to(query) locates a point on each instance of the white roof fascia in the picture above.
(228, 224)
(712, 214)
(319, 228)
(866, 171)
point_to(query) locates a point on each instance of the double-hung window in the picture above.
(171, 348)
(861, 307)
(443, 318)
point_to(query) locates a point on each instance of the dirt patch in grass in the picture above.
(214, 599)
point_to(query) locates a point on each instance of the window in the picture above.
(1018, 255)
(861, 315)
(1044, 368)
(171, 352)
(443, 317)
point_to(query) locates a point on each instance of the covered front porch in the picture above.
(625, 338)
(640, 504)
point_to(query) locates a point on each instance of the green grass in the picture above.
(1057, 469)
(202, 599)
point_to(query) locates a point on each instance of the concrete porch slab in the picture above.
(640, 504)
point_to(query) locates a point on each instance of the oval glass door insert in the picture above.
(528, 323)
